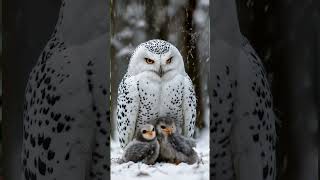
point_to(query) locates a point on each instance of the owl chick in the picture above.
(144, 147)
(174, 147)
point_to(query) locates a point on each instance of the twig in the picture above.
(160, 170)
(200, 160)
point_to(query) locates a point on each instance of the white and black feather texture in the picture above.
(242, 125)
(66, 113)
(151, 90)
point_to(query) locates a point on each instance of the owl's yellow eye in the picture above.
(169, 60)
(149, 61)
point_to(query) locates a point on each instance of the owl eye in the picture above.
(169, 60)
(163, 127)
(144, 131)
(149, 61)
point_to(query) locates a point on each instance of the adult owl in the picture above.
(243, 123)
(65, 118)
(155, 85)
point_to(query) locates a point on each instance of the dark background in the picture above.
(27, 26)
(284, 33)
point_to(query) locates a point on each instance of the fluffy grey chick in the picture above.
(174, 147)
(144, 147)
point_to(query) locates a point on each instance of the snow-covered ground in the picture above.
(161, 171)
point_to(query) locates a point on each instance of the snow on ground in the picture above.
(160, 171)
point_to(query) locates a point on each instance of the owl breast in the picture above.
(160, 99)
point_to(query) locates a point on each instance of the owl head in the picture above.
(166, 126)
(146, 133)
(157, 58)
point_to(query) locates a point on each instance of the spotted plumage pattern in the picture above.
(148, 91)
(66, 113)
(157, 46)
(243, 122)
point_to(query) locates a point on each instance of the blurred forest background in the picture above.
(184, 23)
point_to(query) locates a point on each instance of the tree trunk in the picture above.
(192, 62)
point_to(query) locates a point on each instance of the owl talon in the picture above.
(177, 162)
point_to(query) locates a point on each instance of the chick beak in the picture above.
(160, 71)
(168, 131)
(150, 133)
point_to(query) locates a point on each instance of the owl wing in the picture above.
(254, 149)
(138, 151)
(127, 109)
(191, 142)
(180, 144)
(189, 108)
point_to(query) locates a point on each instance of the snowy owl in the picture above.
(155, 85)
(243, 123)
(65, 119)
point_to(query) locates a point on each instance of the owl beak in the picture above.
(168, 131)
(151, 134)
(160, 71)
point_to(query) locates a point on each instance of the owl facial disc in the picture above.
(148, 132)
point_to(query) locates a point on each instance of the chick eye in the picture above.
(169, 60)
(152, 129)
(149, 61)
(144, 131)
(163, 127)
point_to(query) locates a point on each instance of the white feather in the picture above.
(153, 95)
